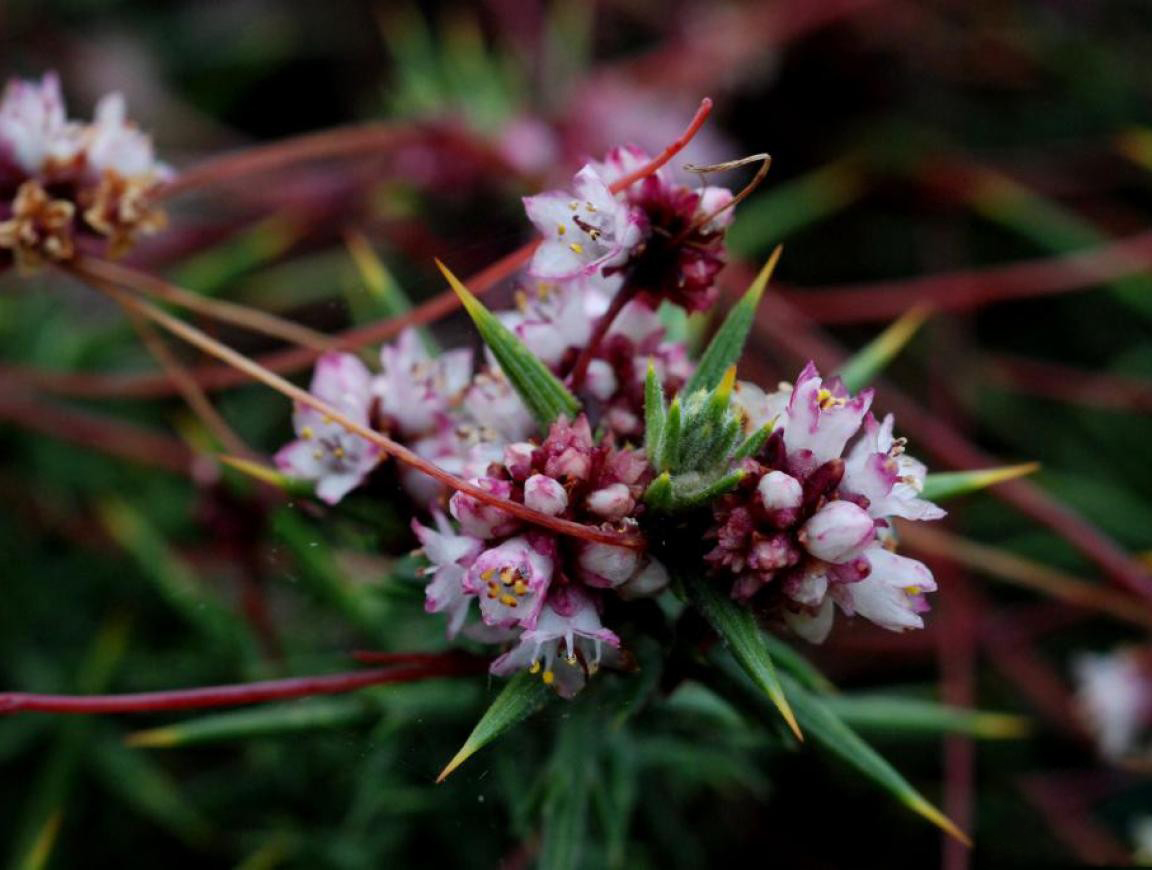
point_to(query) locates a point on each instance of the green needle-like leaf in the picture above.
(797, 665)
(737, 627)
(522, 696)
(655, 412)
(830, 731)
(949, 484)
(315, 715)
(862, 368)
(542, 392)
(727, 345)
(895, 715)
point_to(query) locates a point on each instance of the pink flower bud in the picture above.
(518, 459)
(780, 492)
(479, 519)
(545, 495)
(611, 502)
(837, 532)
(600, 380)
(648, 581)
(605, 565)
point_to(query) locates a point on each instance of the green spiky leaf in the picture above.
(521, 696)
(828, 730)
(950, 484)
(296, 718)
(655, 412)
(862, 368)
(896, 715)
(727, 345)
(738, 629)
(542, 392)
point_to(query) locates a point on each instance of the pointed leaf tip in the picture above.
(950, 484)
(522, 696)
(541, 391)
(728, 343)
(863, 368)
(738, 629)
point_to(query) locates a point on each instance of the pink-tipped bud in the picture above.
(518, 459)
(838, 532)
(480, 519)
(607, 566)
(648, 581)
(545, 495)
(612, 502)
(780, 492)
(600, 380)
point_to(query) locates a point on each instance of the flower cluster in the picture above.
(543, 589)
(665, 240)
(61, 177)
(810, 525)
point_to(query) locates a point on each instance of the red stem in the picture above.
(668, 153)
(580, 367)
(975, 288)
(235, 695)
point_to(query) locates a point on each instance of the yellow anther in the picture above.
(338, 452)
(549, 678)
(508, 600)
(574, 205)
(534, 668)
(317, 454)
(590, 207)
(561, 229)
(576, 248)
(520, 587)
(307, 433)
(571, 660)
(509, 575)
(488, 576)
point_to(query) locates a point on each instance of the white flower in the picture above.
(1115, 698)
(325, 451)
(568, 644)
(416, 391)
(605, 565)
(892, 595)
(878, 469)
(820, 418)
(585, 232)
(115, 144)
(511, 580)
(450, 554)
(34, 129)
(546, 495)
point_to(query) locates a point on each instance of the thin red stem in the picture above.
(588, 353)
(975, 288)
(237, 694)
(654, 165)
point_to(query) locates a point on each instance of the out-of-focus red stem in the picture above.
(975, 288)
(1066, 384)
(1060, 800)
(94, 432)
(235, 695)
(153, 385)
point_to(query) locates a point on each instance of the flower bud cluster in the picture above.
(541, 590)
(809, 527)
